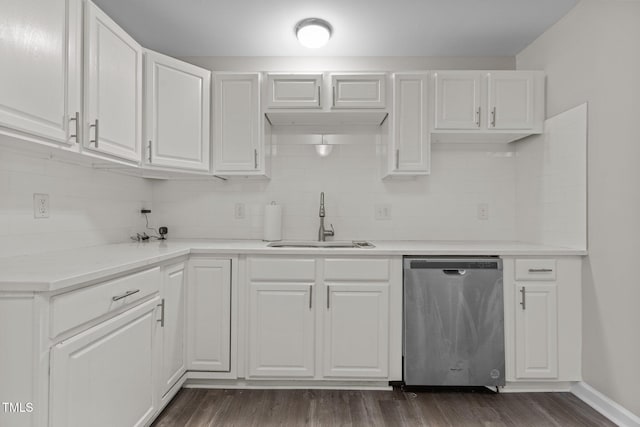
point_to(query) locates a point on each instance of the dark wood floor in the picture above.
(198, 407)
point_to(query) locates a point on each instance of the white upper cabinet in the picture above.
(177, 99)
(409, 142)
(358, 90)
(487, 106)
(113, 88)
(40, 86)
(239, 125)
(458, 104)
(293, 90)
(511, 100)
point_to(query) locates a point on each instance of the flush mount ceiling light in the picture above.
(313, 32)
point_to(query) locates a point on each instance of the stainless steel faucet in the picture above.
(323, 232)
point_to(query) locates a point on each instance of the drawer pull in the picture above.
(126, 294)
(540, 270)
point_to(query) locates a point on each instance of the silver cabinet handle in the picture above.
(161, 320)
(255, 159)
(523, 298)
(334, 96)
(478, 117)
(328, 297)
(149, 151)
(319, 98)
(310, 296)
(126, 294)
(96, 134)
(398, 159)
(540, 270)
(493, 117)
(76, 119)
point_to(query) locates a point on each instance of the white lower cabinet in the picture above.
(209, 315)
(543, 319)
(356, 330)
(173, 363)
(105, 375)
(281, 330)
(322, 318)
(536, 331)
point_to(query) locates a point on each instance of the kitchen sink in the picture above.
(316, 244)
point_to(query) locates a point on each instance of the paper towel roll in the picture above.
(272, 222)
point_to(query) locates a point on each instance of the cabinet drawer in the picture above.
(267, 269)
(356, 269)
(535, 269)
(77, 307)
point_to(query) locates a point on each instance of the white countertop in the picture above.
(55, 271)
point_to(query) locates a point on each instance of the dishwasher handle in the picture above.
(454, 272)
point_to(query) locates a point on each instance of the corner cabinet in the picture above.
(543, 319)
(177, 104)
(240, 128)
(112, 88)
(173, 323)
(40, 76)
(487, 106)
(409, 148)
(209, 315)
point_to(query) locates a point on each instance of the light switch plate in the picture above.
(40, 205)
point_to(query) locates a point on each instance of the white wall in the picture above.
(551, 182)
(593, 55)
(87, 207)
(440, 206)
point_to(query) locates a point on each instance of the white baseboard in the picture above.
(607, 407)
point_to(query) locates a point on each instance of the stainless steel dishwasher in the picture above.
(453, 322)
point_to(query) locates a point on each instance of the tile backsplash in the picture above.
(87, 207)
(441, 206)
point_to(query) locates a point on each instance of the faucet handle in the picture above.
(331, 232)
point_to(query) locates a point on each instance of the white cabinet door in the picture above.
(173, 327)
(238, 148)
(113, 87)
(536, 330)
(358, 90)
(410, 147)
(40, 75)
(209, 318)
(281, 330)
(293, 90)
(457, 100)
(177, 113)
(105, 375)
(511, 100)
(356, 330)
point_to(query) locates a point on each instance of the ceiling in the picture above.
(361, 27)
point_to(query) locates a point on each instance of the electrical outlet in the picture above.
(239, 211)
(40, 205)
(483, 211)
(382, 212)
